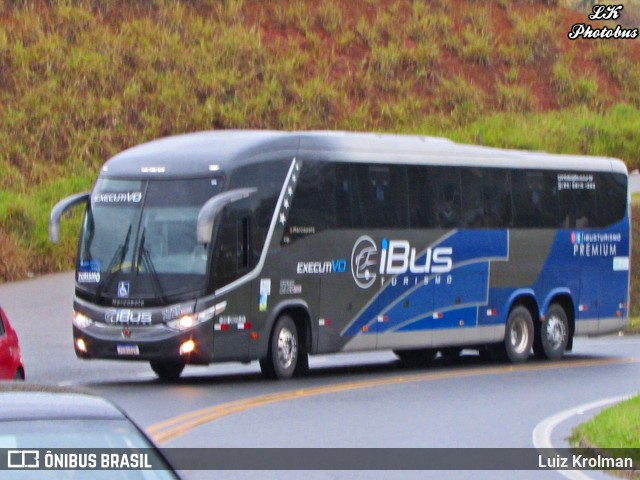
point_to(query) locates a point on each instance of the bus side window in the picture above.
(232, 253)
(313, 207)
(268, 178)
(344, 210)
(473, 199)
(496, 198)
(381, 194)
(422, 198)
(446, 183)
(535, 199)
(611, 190)
(578, 205)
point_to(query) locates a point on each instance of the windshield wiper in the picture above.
(144, 257)
(116, 260)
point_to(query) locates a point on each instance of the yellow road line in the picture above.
(177, 426)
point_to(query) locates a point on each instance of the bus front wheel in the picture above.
(282, 358)
(168, 371)
(518, 335)
(554, 333)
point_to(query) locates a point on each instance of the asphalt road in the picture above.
(363, 400)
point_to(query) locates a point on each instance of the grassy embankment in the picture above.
(613, 428)
(80, 81)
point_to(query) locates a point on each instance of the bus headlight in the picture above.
(188, 321)
(80, 320)
(183, 323)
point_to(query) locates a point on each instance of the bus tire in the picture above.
(416, 357)
(282, 357)
(518, 338)
(302, 367)
(554, 333)
(169, 371)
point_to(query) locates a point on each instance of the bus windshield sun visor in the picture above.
(209, 211)
(59, 209)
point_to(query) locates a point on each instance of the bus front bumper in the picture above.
(153, 342)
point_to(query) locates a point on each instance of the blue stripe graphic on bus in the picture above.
(469, 288)
(407, 295)
(460, 317)
(603, 252)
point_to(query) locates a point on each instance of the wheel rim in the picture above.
(287, 348)
(555, 332)
(519, 336)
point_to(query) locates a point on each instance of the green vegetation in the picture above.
(574, 130)
(615, 427)
(633, 326)
(81, 80)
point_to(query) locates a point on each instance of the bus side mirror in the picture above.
(58, 210)
(211, 209)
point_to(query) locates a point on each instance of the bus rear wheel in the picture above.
(282, 358)
(169, 371)
(554, 334)
(518, 338)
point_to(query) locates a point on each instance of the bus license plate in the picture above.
(128, 350)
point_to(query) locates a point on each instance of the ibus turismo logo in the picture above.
(396, 257)
(576, 237)
(364, 261)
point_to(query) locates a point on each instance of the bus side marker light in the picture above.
(324, 322)
(253, 335)
(618, 313)
(365, 329)
(187, 347)
(492, 312)
(244, 326)
(221, 327)
(583, 308)
(383, 318)
(437, 315)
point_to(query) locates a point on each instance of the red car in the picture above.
(11, 367)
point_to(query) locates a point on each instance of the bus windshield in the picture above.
(138, 239)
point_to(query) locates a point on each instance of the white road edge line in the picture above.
(542, 433)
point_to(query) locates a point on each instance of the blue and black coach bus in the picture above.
(271, 246)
